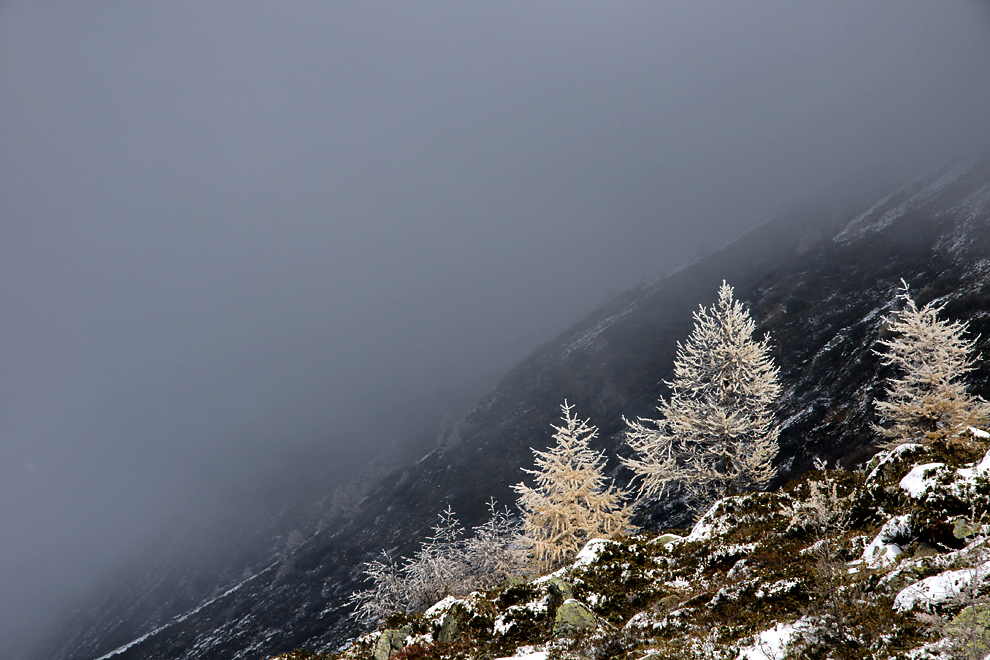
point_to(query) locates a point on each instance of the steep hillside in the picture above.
(819, 279)
(888, 562)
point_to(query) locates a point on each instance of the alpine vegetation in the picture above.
(717, 435)
(927, 401)
(570, 503)
(445, 565)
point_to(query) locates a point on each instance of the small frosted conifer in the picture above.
(717, 434)
(571, 502)
(927, 400)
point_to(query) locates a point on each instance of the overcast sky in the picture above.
(232, 228)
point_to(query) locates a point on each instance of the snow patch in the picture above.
(441, 607)
(969, 475)
(772, 644)
(924, 478)
(586, 338)
(591, 552)
(709, 525)
(858, 220)
(882, 551)
(891, 456)
(560, 572)
(526, 653)
(779, 587)
(939, 589)
(185, 616)
(502, 626)
(536, 606)
(868, 223)
(920, 479)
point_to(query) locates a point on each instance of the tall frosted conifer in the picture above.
(570, 502)
(927, 400)
(717, 435)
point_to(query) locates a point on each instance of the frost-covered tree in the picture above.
(927, 400)
(571, 501)
(386, 592)
(493, 553)
(717, 434)
(438, 569)
(445, 564)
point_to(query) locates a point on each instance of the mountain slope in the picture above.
(883, 563)
(819, 279)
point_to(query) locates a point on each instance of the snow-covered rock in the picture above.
(883, 551)
(937, 590)
(890, 457)
(923, 479)
(591, 552)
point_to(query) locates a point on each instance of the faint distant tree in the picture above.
(571, 501)
(927, 400)
(717, 434)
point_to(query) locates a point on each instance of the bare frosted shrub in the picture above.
(386, 594)
(826, 515)
(446, 564)
(438, 569)
(494, 552)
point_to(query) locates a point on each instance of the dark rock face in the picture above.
(820, 280)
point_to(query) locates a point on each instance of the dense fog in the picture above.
(235, 235)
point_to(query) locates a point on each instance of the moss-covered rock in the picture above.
(559, 591)
(970, 630)
(573, 617)
(390, 641)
